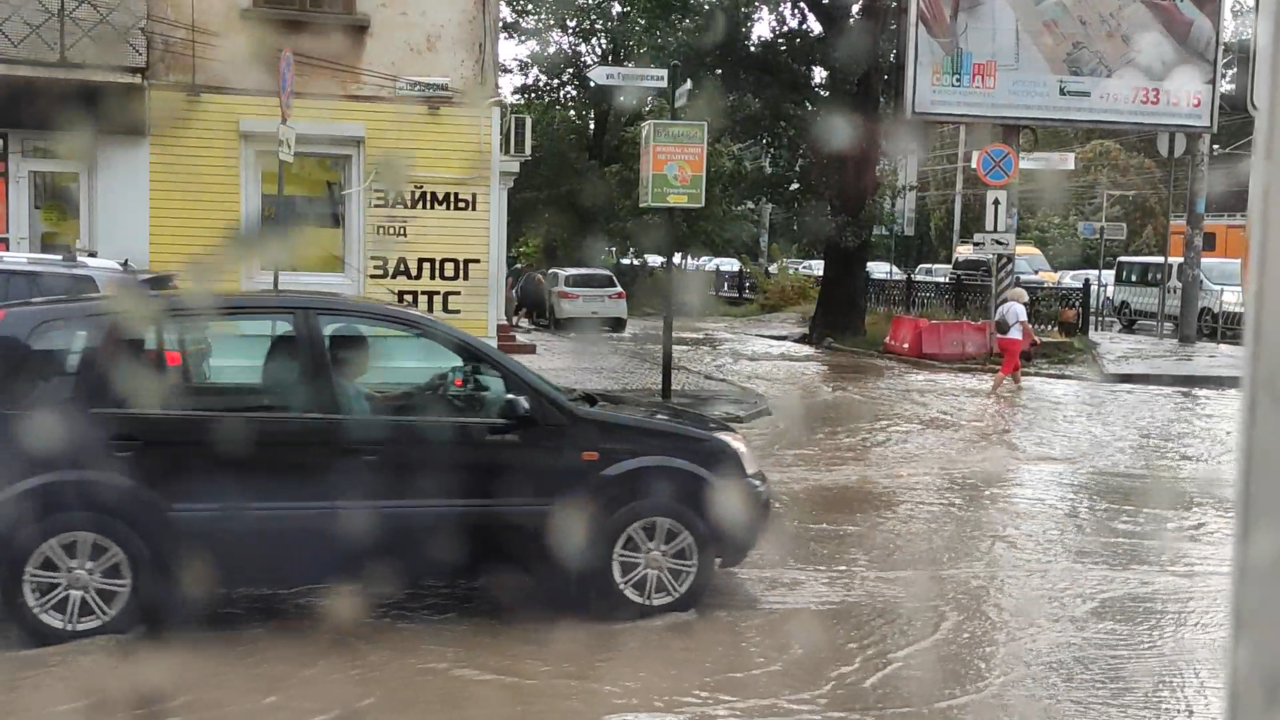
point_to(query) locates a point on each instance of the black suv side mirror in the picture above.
(515, 409)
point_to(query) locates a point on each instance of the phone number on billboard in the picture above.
(1153, 95)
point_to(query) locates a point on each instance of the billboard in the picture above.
(673, 164)
(1147, 63)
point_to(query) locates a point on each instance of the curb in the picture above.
(1202, 382)
(961, 367)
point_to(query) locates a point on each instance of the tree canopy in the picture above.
(800, 97)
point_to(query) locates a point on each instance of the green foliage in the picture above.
(785, 290)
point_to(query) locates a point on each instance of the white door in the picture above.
(51, 198)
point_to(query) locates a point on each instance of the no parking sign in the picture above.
(997, 164)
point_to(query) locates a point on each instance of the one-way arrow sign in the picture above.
(629, 77)
(997, 211)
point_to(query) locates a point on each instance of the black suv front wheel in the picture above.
(74, 576)
(658, 558)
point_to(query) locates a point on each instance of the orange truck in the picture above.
(1225, 236)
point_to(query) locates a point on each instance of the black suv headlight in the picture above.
(735, 441)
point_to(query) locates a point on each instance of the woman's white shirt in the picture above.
(1014, 313)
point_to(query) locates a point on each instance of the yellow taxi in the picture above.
(1027, 252)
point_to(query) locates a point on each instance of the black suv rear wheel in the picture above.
(657, 556)
(74, 576)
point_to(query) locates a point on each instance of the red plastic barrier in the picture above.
(904, 336)
(954, 340)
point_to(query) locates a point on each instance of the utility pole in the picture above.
(1168, 239)
(1193, 242)
(286, 110)
(1002, 276)
(766, 209)
(668, 300)
(955, 220)
(1009, 135)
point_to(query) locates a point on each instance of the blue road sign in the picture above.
(997, 164)
(286, 84)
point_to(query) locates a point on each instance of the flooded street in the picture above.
(1062, 552)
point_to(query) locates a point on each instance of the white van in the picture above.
(1139, 285)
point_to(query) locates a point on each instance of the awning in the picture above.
(65, 104)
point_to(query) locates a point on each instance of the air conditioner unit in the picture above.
(519, 136)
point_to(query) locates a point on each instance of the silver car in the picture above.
(1076, 278)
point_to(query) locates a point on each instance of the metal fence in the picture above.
(1219, 317)
(733, 285)
(100, 33)
(963, 300)
(728, 285)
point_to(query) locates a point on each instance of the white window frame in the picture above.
(341, 143)
(20, 170)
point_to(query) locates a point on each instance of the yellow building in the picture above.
(388, 194)
(389, 200)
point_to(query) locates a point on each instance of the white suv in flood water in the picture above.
(585, 294)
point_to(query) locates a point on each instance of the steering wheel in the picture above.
(461, 386)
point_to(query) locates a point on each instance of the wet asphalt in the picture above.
(1062, 551)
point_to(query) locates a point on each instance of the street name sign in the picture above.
(1115, 231)
(628, 77)
(1047, 161)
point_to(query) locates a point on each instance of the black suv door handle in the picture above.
(124, 445)
(369, 452)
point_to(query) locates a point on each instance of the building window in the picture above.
(320, 246)
(335, 7)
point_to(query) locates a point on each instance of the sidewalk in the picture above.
(598, 364)
(1142, 359)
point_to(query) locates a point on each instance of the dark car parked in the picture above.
(311, 439)
(25, 276)
(976, 269)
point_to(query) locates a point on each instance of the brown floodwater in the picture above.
(1059, 552)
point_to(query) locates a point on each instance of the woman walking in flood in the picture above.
(1011, 327)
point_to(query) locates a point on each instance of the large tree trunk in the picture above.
(842, 301)
(855, 79)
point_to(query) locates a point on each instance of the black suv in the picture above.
(290, 439)
(976, 269)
